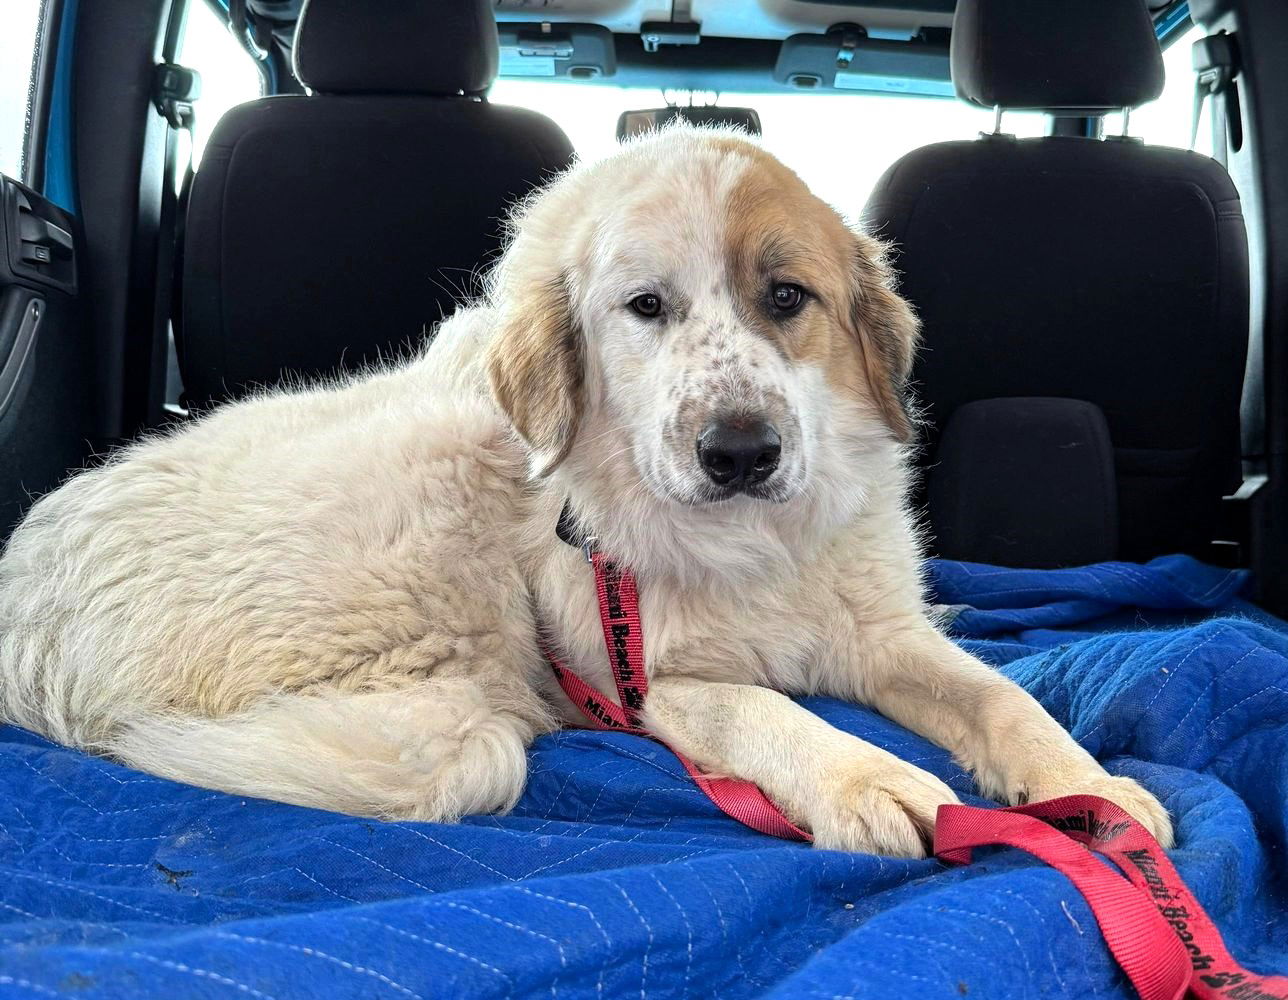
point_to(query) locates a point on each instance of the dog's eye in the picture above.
(787, 298)
(647, 305)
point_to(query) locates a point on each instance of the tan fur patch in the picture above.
(536, 370)
(860, 332)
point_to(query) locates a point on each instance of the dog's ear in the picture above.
(887, 330)
(536, 368)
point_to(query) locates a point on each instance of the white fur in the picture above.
(331, 596)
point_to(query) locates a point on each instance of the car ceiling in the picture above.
(752, 21)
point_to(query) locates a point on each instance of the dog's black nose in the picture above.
(738, 453)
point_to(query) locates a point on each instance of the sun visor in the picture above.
(545, 50)
(850, 60)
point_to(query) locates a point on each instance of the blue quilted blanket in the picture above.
(616, 877)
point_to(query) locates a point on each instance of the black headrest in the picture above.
(396, 46)
(1088, 55)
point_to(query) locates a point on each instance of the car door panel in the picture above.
(45, 361)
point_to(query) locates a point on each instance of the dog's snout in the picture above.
(739, 454)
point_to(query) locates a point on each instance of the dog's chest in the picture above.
(744, 634)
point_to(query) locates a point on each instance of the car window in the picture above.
(229, 75)
(19, 45)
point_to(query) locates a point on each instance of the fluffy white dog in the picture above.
(332, 596)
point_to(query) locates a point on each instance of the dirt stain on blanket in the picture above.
(172, 877)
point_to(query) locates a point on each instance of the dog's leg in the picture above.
(429, 750)
(848, 793)
(1018, 753)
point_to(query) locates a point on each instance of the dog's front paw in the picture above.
(1123, 792)
(880, 805)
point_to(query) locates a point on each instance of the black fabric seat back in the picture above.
(1106, 271)
(328, 231)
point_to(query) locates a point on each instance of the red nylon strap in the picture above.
(1155, 928)
(619, 613)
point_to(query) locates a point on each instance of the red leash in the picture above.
(619, 612)
(1155, 928)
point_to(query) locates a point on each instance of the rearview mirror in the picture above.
(634, 122)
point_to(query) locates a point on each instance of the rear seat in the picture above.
(324, 231)
(1101, 271)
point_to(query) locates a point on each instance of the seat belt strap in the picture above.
(174, 90)
(1216, 63)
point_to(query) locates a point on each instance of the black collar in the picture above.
(566, 527)
(574, 534)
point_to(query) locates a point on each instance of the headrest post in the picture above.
(997, 119)
(1126, 119)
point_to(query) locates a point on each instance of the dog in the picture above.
(336, 596)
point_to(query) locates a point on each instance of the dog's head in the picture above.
(686, 317)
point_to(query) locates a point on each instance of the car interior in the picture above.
(1085, 202)
(1098, 373)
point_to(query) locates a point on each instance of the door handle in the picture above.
(40, 240)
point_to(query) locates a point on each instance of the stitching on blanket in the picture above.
(563, 958)
(373, 861)
(1134, 576)
(1210, 684)
(670, 772)
(925, 941)
(316, 953)
(80, 924)
(219, 797)
(688, 929)
(746, 891)
(442, 947)
(1211, 590)
(108, 840)
(599, 986)
(590, 810)
(575, 773)
(724, 927)
(106, 899)
(757, 931)
(1028, 968)
(324, 888)
(1258, 694)
(27, 984)
(563, 861)
(1041, 918)
(200, 973)
(66, 857)
(16, 909)
(449, 847)
(862, 961)
(648, 930)
(917, 939)
(66, 791)
(1171, 675)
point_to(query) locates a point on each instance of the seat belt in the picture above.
(1216, 66)
(174, 89)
